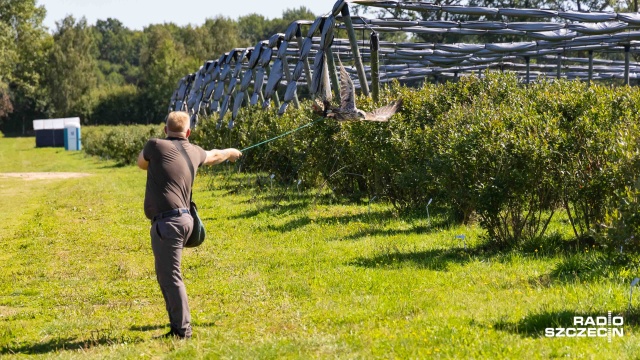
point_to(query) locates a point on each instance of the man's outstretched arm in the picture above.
(142, 163)
(216, 156)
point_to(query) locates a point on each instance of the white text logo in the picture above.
(589, 326)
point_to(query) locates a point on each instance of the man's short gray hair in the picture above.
(178, 121)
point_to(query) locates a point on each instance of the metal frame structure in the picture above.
(252, 76)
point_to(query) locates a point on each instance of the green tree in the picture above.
(72, 69)
(6, 107)
(7, 59)
(115, 42)
(253, 28)
(279, 25)
(301, 13)
(118, 53)
(24, 48)
(215, 37)
(162, 65)
(8, 53)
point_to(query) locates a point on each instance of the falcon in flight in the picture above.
(348, 110)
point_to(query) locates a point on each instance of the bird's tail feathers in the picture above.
(317, 107)
(322, 107)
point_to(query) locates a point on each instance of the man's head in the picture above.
(178, 124)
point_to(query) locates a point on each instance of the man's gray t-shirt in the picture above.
(168, 175)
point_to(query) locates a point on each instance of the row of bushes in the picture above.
(119, 143)
(490, 149)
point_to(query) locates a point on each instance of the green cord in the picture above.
(281, 135)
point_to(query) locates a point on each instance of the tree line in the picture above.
(107, 73)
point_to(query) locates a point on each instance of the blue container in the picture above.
(72, 139)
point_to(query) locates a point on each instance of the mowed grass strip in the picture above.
(282, 274)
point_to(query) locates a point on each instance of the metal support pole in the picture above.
(559, 67)
(375, 67)
(528, 60)
(307, 68)
(346, 17)
(276, 98)
(326, 86)
(626, 64)
(590, 66)
(331, 63)
(287, 75)
(249, 93)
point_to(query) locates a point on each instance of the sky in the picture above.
(136, 14)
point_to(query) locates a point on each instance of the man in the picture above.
(166, 204)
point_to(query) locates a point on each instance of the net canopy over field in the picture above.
(534, 43)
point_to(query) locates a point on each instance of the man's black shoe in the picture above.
(173, 334)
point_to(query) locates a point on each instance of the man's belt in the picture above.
(170, 213)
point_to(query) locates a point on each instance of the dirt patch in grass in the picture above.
(43, 175)
(6, 311)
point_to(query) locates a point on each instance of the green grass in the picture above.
(282, 274)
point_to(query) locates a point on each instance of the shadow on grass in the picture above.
(288, 196)
(582, 259)
(114, 166)
(438, 260)
(374, 217)
(534, 325)
(594, 264)
(148, 327)
(291, 225)
(234, 182)
(97, 338)
(272, 208)
(145, 328)
(416, 230)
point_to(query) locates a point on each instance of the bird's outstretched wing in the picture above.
(347, 91)
(383, 113)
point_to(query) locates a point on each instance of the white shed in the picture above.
(50, 132)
